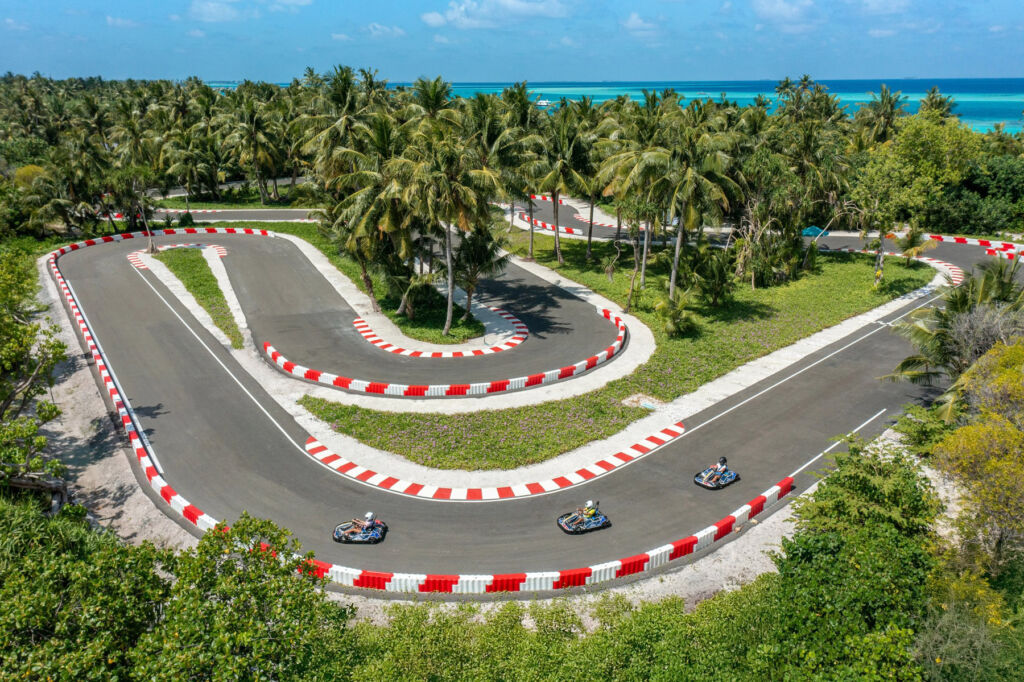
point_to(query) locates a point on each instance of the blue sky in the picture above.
(501, 40)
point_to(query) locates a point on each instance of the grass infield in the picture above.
(754, 323)
(191, 268)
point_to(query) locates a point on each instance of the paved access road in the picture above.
(239, 214)
(226, 446)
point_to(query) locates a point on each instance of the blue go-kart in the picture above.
(577, 523)
(372, 532)
(706, 478)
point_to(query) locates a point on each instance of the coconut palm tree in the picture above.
(480, 254)
(565, 152)
(186, 153)
(441, 179)
(250, 134)
(879, 116)
(937, 103)
(693, 182)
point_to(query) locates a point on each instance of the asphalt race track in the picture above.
(227, 447)
(289, 304)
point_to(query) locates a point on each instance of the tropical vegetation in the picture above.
(401, 174)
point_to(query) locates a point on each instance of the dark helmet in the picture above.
(721, 460)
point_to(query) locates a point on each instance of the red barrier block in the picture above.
(507, 582)
(574, 577)
(374, 580)
(439, 583)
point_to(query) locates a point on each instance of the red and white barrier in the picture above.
(449, 390)
(380, 580)
(541, 197)
(547, 226)
(586, 219)
(997, 245)
(522, 333)
(322, 454)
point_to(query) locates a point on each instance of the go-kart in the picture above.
(370, 535)
(575, 523)
(704, 478)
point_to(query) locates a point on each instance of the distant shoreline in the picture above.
(981, 102)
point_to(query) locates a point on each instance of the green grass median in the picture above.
(753, 324)
(191, 268)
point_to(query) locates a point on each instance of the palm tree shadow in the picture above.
(736, 311)
(149, 412)
(893, 287)
(531, 303)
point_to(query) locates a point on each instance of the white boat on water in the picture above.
(543, 103)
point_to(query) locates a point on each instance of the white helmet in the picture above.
(368, 517)
(590, 503)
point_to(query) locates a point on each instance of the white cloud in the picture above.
(12, 25)
(469, 14)
(881, 33)
(638, 27)
(214, 10)
(381, 31)
(997, 29)
(443, 40)
(119, 22)
(197, 33)
(567, 41)
(781, 10)
(339, 36)
(433, 19)
(884, 6)
(174, 17)
(288, 5)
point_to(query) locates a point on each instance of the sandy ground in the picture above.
(95, 451)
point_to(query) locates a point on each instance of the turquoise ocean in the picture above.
(980, 102)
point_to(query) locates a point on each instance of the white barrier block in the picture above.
(705, 538)
(539, 581)
(658, 556)
(405, 582)
(472, 584)
(206, 522)
(343, 575)
(602, 572)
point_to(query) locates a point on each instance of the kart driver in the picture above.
(585, 512)
(359, 525)
(719, 468)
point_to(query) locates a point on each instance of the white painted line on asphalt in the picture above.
(224, 367)
(798, 372)
(829, 448)
(113, 377)
(547, 492)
